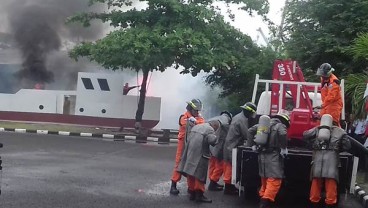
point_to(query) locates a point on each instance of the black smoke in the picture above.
(36, 36)
(39, 30)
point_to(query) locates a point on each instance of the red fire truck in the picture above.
(288, 91)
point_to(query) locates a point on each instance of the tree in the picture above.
(355, 87)
(318, 31)
(188, 35)
(356, 83)
(238, 84)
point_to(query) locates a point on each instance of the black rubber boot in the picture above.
(265, 203)
(192, 195)
(230, 189)
(213, 186)
(201, 198)
(173, 189)
(315, 205)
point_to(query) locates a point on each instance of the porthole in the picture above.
(103, 111)
(41, 107)
(81, 109)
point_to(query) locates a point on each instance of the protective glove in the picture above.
(254, 148)
(284, 152)
(192, 120)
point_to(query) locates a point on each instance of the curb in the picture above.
(105, 137)
(361, 195)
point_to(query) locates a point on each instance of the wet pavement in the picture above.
(61, 171)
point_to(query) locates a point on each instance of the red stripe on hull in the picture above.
(73, 119)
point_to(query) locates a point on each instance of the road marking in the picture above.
(42, 131)
(64, 133)
(110, 136)
(86, 134)
(20, 130)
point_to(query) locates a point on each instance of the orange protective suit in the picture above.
(269, 188)
(216, 169)
(330, 187)
(227, 172)
(194, 184)
(176, 176)
(331, 98)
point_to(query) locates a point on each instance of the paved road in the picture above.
(57, 171)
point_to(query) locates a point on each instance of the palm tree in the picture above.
(355, 87)
(356, 83)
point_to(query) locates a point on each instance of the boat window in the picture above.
(88, 83)
(103, 84)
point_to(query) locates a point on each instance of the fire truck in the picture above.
(289, 92)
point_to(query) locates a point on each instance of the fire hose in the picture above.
(358, 145)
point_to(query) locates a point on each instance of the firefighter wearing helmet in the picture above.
(330, 93)
(186, 121)
(237, 135)
(327, 141)
(269, 139)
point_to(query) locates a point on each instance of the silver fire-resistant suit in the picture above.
(196, 152)
(270, 162)
(237, 135)
(326, 160)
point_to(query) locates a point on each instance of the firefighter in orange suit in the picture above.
(237, 135)
(186, 121)
(327, 142)
(272, 149)
(330, 93)
(216, 168)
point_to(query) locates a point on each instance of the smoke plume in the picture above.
(39, 30)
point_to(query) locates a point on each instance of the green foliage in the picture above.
(355, 87)
(191, 36)
(238, 84)
(166, 33)
(318, 31)
(356, 83)
(359, 49)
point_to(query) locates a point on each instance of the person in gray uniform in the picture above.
(269, 139)
(195, 157)
(237, 135)
(327, 141)
(216, 168)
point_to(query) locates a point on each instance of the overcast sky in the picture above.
(249, 25)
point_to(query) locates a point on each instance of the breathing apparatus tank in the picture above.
(324, 132)
(263, 130)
